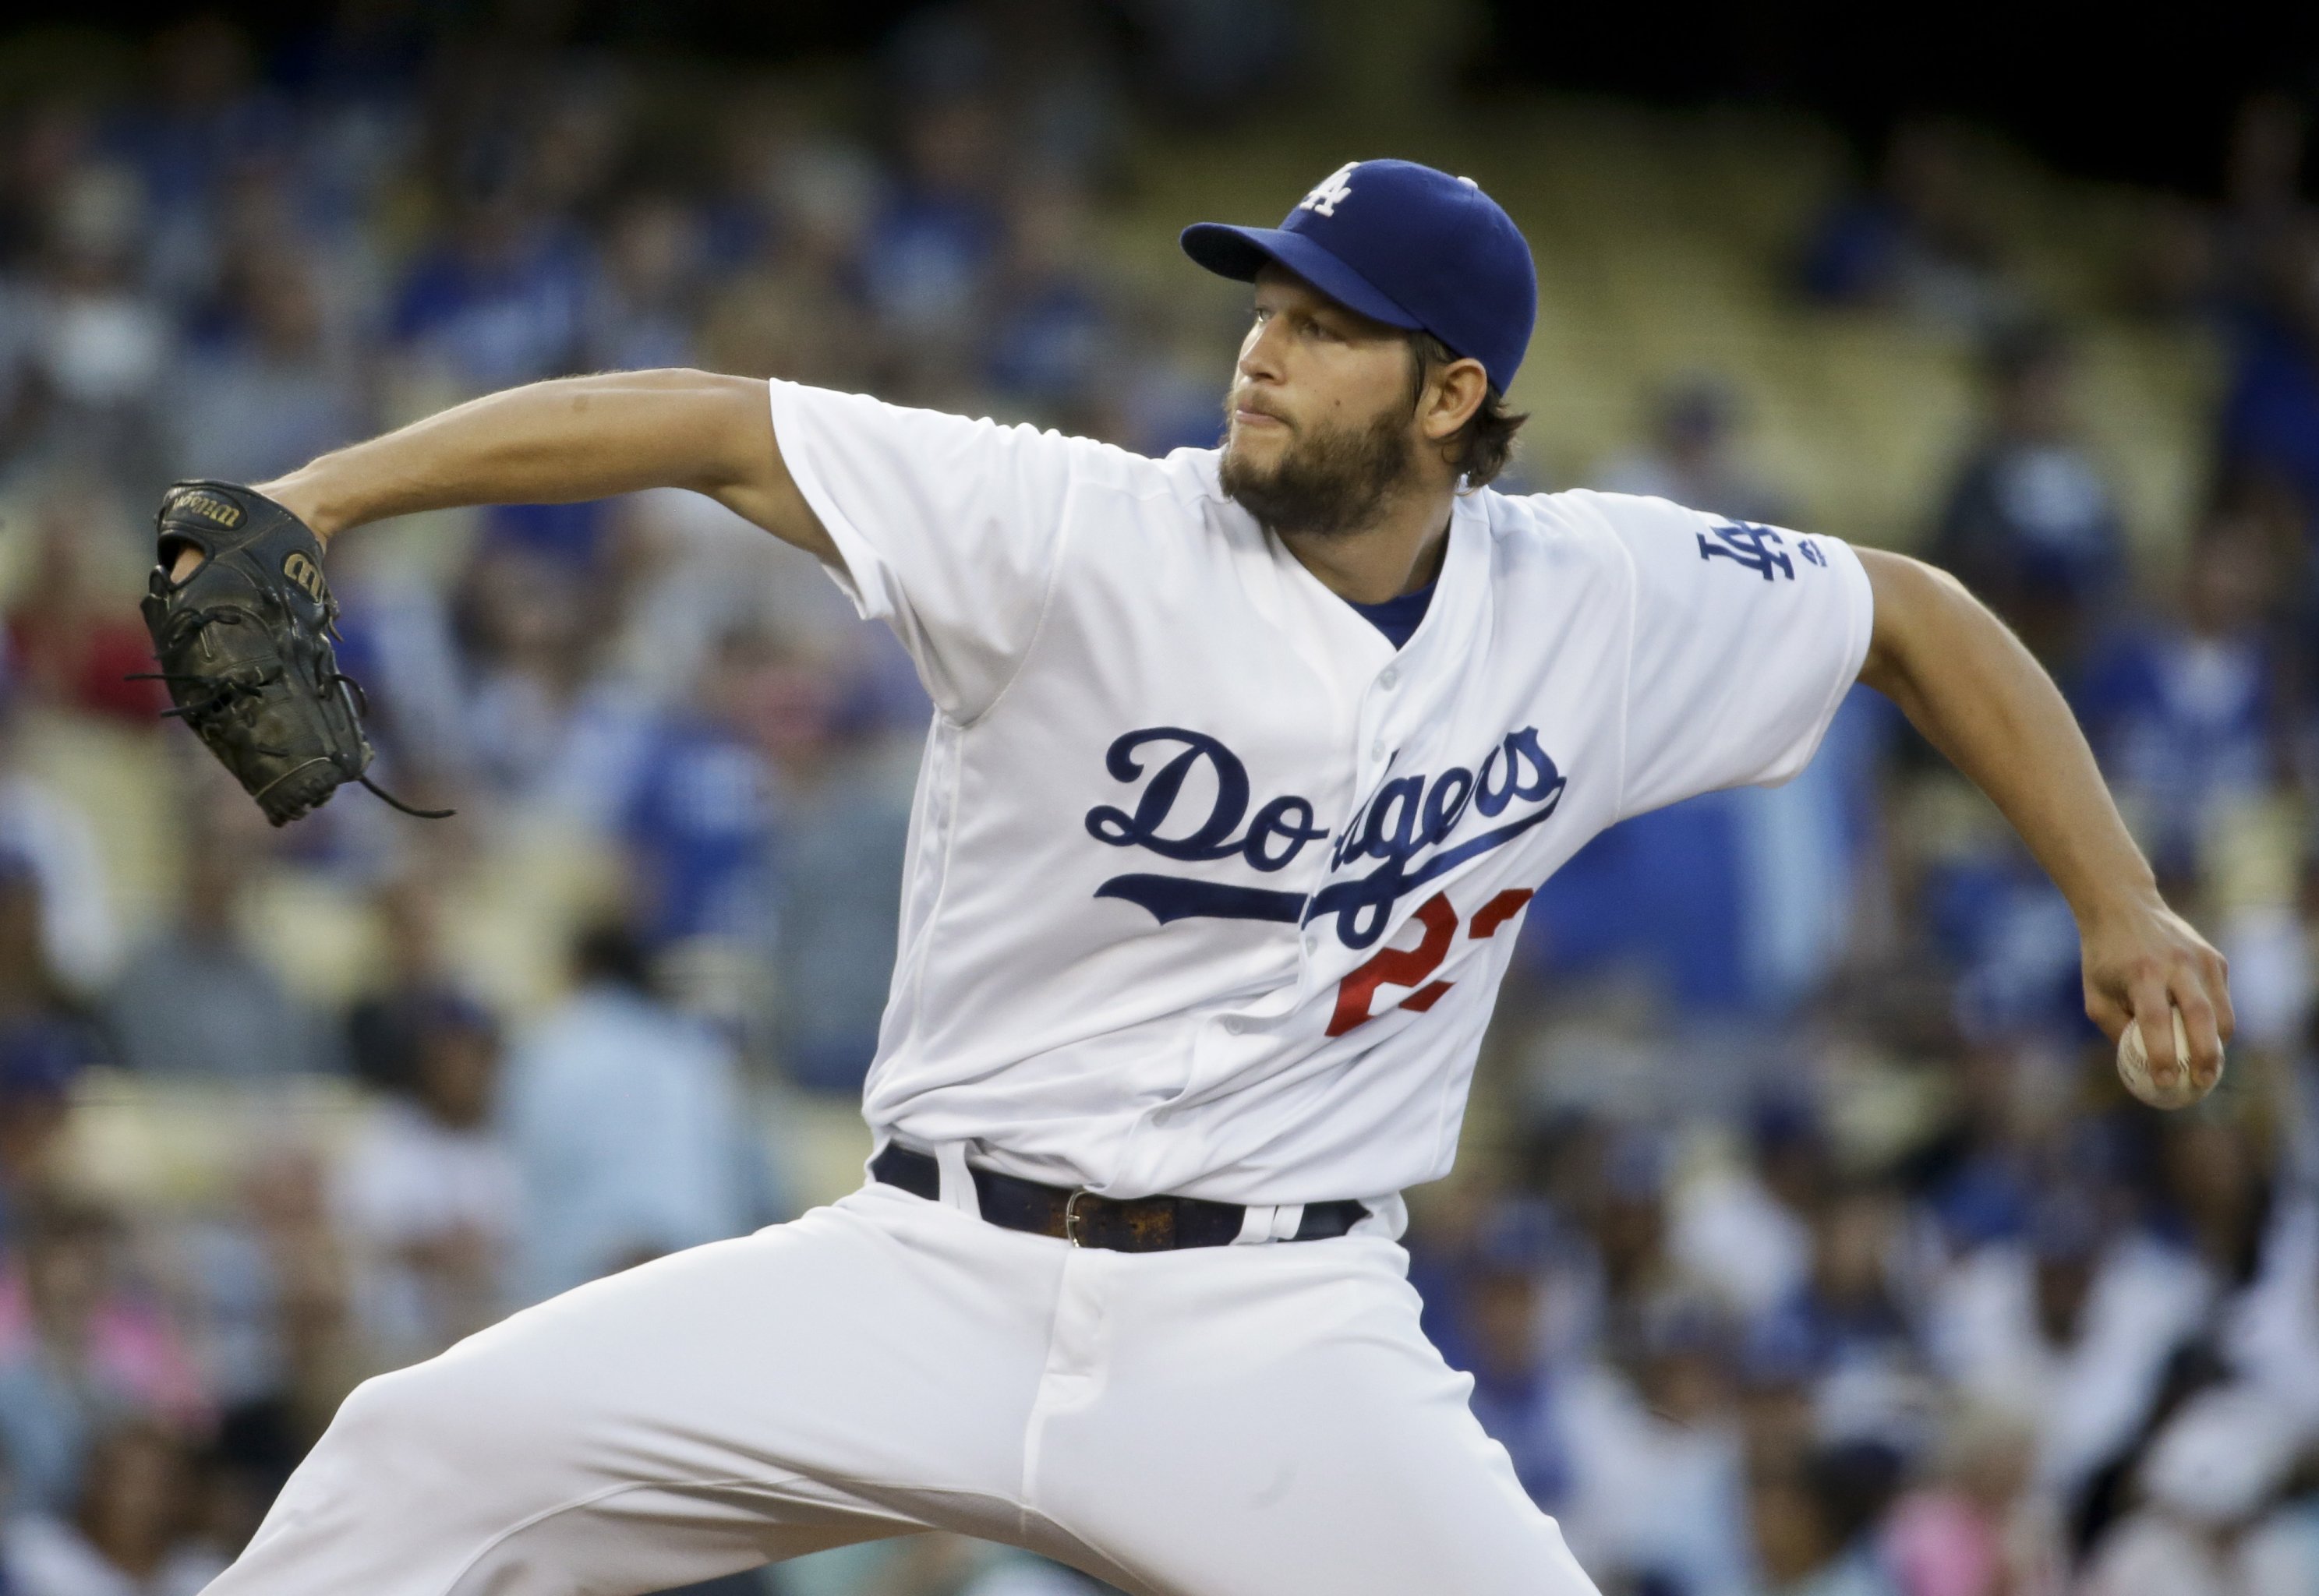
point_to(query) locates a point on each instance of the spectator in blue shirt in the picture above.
(698, 822)
(843, 809)
(1847, 1316)
(643, 305)
(2030, 524)
(2182, 712)
(1053, 346)
(501, 301)
(1487, 1316)
(929, 254)
(630, 1127)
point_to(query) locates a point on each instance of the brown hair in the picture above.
(1481, 448)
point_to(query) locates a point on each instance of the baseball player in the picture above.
(1245, 763)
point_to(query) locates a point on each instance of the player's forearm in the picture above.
(1967, 683)
(553, 442)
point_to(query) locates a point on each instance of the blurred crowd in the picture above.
(1803, 1243)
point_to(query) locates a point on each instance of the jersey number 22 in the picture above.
(1413, 967)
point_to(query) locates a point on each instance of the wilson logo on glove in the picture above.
(224, 512)
(308, 575)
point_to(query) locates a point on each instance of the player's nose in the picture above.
(1260, 353)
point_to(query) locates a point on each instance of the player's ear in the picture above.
(1453, 393)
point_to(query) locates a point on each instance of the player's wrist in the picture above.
(2126, 898)
(302, 493)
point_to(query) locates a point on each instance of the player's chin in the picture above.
(1256, 449)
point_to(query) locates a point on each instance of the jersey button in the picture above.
(1235, 1025)
(1376, 750)
(1392, 675)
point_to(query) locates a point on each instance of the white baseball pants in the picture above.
(1244, 1420)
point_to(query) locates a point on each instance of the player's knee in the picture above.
(408, 1421)
(420, 1447)
(384, 1411)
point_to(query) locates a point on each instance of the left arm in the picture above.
(1966, 682)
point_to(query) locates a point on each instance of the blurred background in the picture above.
(1803, 1244)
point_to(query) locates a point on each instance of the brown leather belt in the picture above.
(1136, 1224)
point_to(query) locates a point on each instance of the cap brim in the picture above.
(1240, 252)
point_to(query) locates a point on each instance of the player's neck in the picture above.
(1398, 552)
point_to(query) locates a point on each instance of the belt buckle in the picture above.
(1072, 1216)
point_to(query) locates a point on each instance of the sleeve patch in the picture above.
(1755, 549)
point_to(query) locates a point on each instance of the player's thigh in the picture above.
(1275, 1437)
(865, 1370)
(882, 1339)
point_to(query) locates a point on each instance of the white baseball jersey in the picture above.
(1210, 889)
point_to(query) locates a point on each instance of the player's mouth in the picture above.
(1246, 415)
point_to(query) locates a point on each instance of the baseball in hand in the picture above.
(2134, 1067)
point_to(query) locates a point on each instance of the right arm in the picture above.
(569, 439)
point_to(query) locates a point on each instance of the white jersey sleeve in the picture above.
(1744, 640)
(950, 530)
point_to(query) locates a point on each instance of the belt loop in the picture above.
(1286, 1220)
(1255, 1225)
(1388, 1217)
(957, 1180)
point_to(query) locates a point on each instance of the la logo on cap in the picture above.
(1330, 192)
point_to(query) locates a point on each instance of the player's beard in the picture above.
(1325, 483)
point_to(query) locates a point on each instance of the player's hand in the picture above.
(2141, 956)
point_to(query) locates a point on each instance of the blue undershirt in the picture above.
(1398, 617)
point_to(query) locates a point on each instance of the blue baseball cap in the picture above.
(1405, 245)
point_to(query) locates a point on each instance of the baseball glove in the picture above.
(243, 643)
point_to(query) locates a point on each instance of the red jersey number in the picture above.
(1413, 967)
